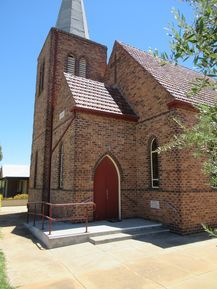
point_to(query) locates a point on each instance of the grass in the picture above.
(3, 278)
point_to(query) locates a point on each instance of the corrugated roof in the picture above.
(94, 95)
(9, 171)
(177, 80)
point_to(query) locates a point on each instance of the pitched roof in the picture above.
(94, 95)
(177, 80)
(11, 171)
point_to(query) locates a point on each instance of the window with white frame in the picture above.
(154, 164)
(70, 65)
(61, 161)
(83, 67)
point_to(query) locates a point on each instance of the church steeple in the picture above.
(72, 18)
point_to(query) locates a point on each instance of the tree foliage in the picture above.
(202, 137)
(212, 232)
(198, 41)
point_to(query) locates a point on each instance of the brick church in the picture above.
(97, 126)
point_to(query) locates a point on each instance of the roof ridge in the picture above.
(148, 70)
(175, 79)
(88, 80)
(82, 78)
(160, 58)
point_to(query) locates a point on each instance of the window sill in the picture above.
(154, 189)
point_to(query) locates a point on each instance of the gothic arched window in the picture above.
(83, 67)
(70, 65)
(41, 78)
(61, 161)
(154, 164)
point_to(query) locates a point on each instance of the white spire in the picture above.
(72, 18)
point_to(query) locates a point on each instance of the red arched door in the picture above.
(106, 190)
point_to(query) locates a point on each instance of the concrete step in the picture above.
(97, 240)
(64, 234)
(127, 230)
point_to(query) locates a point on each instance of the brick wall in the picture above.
(55, 51)
(39, 128)
(87, 141)
(182, 183)
(185, 197)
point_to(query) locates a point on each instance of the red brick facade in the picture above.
(184, 194)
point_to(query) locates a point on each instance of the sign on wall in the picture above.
(155, 204)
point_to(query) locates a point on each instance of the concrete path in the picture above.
(164, 261)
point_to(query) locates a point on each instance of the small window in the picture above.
(83, 67)
(61, 161)
(35, 170)
(70, 65)
(154, 164)
(41, 78)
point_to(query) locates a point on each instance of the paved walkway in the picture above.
(167, 261)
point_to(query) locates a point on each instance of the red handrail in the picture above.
(41, 213)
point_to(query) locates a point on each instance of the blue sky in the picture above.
(24, 27)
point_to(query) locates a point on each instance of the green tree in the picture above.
(198, 41)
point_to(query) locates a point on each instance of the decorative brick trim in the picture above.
(155, 116)
(182, 104)
(77, 37)
(105, 114)
(109, 154)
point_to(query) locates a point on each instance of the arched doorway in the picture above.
(106, 190)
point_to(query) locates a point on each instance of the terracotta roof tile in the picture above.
(177, 80)
(90, 94)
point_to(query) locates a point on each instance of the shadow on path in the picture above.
(162, 240)
(12, 219)
(16, 221)
(168, 239)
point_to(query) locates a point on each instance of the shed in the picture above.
(14, 179)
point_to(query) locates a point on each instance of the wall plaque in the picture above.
(155, 204)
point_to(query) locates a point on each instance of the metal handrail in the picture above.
(41, 213)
